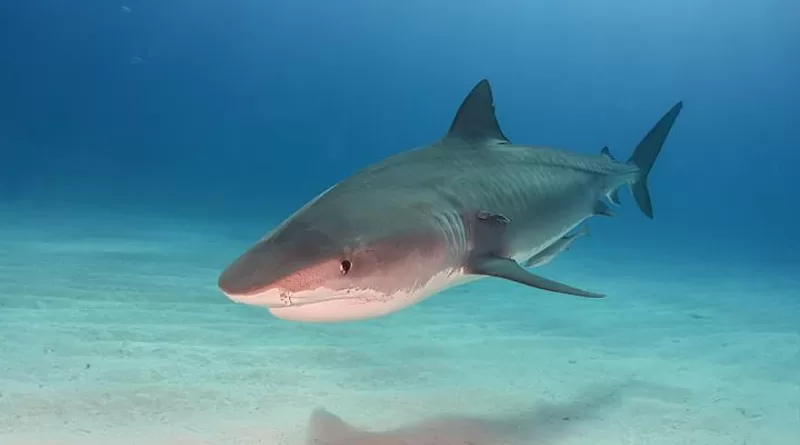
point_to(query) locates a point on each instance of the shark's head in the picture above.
(341, 265)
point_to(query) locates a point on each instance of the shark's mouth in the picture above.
(324, 305)
(329, 306)
(337, 310)
(277, 298)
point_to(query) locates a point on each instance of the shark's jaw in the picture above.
(328, 306)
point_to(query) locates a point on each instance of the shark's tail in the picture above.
(645, 154)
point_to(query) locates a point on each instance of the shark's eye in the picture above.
(345, 266)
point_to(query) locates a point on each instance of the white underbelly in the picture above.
(371, 306)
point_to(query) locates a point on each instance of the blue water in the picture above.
(221, 118)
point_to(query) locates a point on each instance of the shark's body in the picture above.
(467, 206)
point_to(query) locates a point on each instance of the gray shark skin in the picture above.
(467, 206)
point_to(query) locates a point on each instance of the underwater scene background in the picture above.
(146, 144)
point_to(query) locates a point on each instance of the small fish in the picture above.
(125, 9)
(553, 250)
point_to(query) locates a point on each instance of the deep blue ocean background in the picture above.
(241, 111)
(249, 108)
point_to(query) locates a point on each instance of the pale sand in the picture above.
(115, 334)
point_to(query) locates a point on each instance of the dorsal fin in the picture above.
(475, 119)
(607, 153)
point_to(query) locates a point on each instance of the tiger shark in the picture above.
(467, 206)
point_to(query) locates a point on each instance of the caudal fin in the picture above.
(645, 154)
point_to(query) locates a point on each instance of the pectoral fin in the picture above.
(510, 270)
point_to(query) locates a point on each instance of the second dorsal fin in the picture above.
(475, 120)
(607, 153)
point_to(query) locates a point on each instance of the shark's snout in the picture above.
(249, 273)
(237, 279)
(253, 276)
(277, 277)
(248, 288)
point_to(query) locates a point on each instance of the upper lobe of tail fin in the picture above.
(645, 154)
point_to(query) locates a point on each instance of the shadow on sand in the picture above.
(543, 424)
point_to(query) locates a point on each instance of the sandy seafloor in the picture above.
(112, 332)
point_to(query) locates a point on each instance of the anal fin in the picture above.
(509, 269)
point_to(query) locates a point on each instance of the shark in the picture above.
(467, 206)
